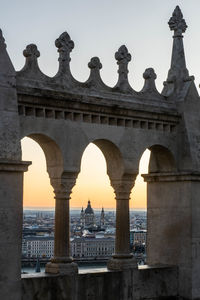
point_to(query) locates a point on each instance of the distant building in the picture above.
(87, 217)
(102, 218)
(138, 237)
(36, 246)
(92, 247)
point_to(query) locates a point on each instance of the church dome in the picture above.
(89, 209)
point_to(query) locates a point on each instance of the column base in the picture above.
(61, 268)
(122, 262)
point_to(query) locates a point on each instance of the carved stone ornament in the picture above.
(149, 74)
(95, 63)
(123, 57)
(149, 85)
(65, 46)
(31, 51)
(64, 185)
(123, 186)
(177, 23)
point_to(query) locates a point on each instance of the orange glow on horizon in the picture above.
(92, 182)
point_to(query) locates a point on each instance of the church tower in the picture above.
(82, 217)
(89, 215)
(102, 218)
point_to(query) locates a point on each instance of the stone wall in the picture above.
(144, 283)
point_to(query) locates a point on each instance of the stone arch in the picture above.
(52, 152)
(113, 157)
(161, 160)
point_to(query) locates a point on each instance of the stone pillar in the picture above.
(122, 258)
(62, 262)
(173, 226)
(11, 217)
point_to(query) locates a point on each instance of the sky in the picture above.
(98, 28)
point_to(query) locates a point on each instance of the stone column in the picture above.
(122, 258)
(62, 262)
(11, 217)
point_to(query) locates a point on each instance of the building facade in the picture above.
(38, 247)
(138, 237)
(87, 217)
(92, 247)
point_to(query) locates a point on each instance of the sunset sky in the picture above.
(98, 28)
(92, 182)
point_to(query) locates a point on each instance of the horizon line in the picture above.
(74, 208)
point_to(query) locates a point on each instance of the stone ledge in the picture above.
(171, 177)
(14, 166)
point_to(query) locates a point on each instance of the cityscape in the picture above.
(92, 236)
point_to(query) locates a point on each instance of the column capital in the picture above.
(123, 186)
(170, 177)
(64, 184)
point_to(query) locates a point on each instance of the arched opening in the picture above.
(38, 192)
(94, 201)
(38, 200)
(161, 160)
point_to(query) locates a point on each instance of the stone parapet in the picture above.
(158, 282)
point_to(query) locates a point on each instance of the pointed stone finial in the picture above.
(123, 57)
(95, 78)
(65, 45)
(7, 71)
(177, 23)
(178, 73)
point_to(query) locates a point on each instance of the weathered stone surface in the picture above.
(146, 283)
(64, 115)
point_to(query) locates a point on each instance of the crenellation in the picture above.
(32, 76)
